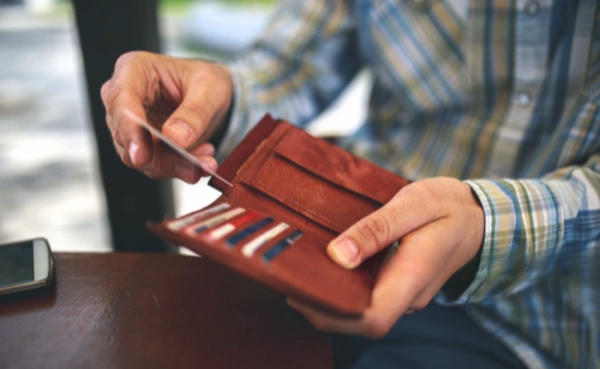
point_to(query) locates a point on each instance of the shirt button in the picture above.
(524, 99)
(533, 8)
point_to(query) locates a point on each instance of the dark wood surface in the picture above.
(121, 310)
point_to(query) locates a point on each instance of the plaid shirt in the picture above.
(502, 94)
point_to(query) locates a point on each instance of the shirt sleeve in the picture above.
(298, 66)
(533, 227)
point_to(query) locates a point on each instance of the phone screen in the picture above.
(16, 263)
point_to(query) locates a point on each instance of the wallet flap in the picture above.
(339, 166)
(310, 195)
(228, 169)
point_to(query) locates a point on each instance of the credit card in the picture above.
(216, 220)
(191, 158)
(177, 224)
(233, 224)
(250, 248)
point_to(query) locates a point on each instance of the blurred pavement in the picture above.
(49, 181)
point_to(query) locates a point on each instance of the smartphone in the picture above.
(25, 265)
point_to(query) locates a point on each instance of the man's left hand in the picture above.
(439, 224)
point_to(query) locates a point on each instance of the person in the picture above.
(491, 108)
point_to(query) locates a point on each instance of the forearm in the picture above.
(302, 61)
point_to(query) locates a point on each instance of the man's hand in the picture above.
(440, 225)
(187, 99)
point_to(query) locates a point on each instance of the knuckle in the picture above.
(117, 138)
(104, 91)
(375, 229)
(220, 83)
(202, 74)
(109, 98)
(127, 58)
(198, 113)
(114, 131)
(417, 191)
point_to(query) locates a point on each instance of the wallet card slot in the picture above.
(248, 232)
(305, 265)
(280, 246)
(205, 224)
(251, 247)
(247, 196)
(233, 225)
(308, 194)
(180, 223)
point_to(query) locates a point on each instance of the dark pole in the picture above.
(107, 29)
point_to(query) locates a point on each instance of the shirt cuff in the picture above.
(239, 123)
(473, 291)
(524, 231)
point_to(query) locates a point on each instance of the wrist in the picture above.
(462, 279)
(458, 283)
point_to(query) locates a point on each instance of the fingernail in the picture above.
(180, 130)
(345, 252)
(208, 151)
(133, 149)
(185, 172)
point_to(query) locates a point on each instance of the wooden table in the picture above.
(154, 311)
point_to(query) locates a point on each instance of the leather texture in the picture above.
(290, 176)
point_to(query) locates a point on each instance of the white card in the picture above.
(191, 158)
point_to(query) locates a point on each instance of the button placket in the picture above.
(531, 42)
(532, 8)
(524, 98)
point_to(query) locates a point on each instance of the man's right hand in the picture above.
(188, 100)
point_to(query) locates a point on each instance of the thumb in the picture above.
(206, 91)
(363, 239)
(187, 123)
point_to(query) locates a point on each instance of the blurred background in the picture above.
(50, 182)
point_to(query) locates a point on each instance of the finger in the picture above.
(128, 90)
(123, 155)
(133, 137)
(410, 209)
(167, 163)
(204, 102)
(105, 92)
(407, 283)
(327, 322)
(425, 259)
(385, 309)
(204, 149)
(400, 289)
(154, 175)
(114, 130)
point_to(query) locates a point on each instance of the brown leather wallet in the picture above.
(292, 193)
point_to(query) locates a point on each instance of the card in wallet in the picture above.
(292, 193)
